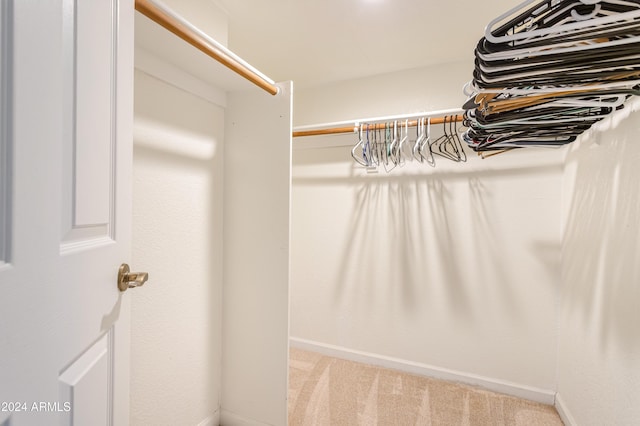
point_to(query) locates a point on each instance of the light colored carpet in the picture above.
(334, 392)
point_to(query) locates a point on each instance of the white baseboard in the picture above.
(227, 418)
(563, 411)
(521, 391)
(212, 420)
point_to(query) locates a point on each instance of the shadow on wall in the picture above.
(601, 247)
(449, 235)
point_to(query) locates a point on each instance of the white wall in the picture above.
(415, 90)
(210, 329)
(453, 268)
(599, 356)
(177, 237)
(257, 178)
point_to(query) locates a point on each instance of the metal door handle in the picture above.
(127, 279)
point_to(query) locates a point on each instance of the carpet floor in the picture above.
(335, 392)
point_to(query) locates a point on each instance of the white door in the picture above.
(66, 68)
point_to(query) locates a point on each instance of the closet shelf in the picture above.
(174, 23)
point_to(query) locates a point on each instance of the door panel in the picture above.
(85, 385)
(89, 180)
(64, 326)
(5, 133)
(95, 33)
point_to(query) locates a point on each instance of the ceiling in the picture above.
(318, 41)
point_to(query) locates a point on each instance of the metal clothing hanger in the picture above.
(404, 137)
(426, 145)
(446, 145)
(362, 160)
(420, 136)
(460, 149)
(389, 148)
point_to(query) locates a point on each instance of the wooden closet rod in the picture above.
(378, 126)
(165, 18)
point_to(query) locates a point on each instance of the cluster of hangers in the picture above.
(391, 144)
(547, 70)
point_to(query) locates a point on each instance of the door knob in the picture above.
(127, 279)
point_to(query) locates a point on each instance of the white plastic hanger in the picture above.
(515, 66)
(566, 27)
(471, 89)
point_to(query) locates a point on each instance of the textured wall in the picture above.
(456, 267)
(599, 356)
(177, 236)
(415, 90)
